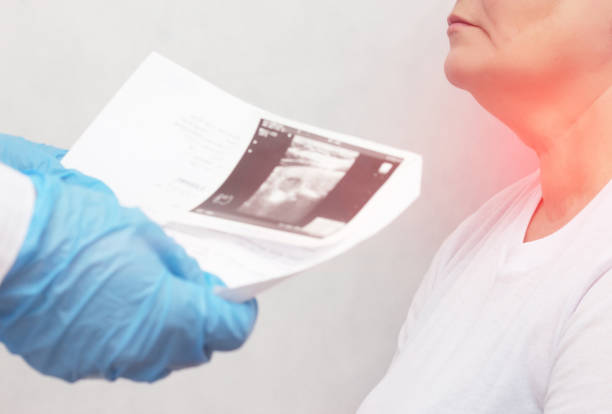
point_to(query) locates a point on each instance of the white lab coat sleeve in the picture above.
(16, 208)
(581, 378)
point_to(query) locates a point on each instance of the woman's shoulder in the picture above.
(509, 196)
(473, 228)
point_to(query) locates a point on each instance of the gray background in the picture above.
(368, 68)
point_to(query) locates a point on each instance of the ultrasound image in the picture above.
(306, 174)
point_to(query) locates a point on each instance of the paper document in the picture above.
(254, 197)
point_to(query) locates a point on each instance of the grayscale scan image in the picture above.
(308, 171)
(299, 182)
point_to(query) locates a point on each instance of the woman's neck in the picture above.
(576, 163)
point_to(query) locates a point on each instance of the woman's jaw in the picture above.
(536, 66)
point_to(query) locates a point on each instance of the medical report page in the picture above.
(254, 197)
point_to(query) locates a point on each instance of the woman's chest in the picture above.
(489, 346)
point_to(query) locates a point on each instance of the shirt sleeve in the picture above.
(581, 378)
(16, 208)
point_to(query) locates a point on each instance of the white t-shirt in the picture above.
(501, 326)
(16, 207)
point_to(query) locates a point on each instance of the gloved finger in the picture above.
(55, 152)
(235, 321)
(230, 324)
(228, 328)
(27, 156)
(174, 256)
(74, 177)
(223, 325)
(24, 155)
(185, 325)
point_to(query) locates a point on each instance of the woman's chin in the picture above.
(457, 71)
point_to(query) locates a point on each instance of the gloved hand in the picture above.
(99, 290)
(27, 156)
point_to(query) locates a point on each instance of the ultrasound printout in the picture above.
(299, 182)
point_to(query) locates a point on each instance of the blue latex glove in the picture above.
(27, 156)
(99, 290)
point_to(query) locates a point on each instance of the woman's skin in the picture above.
(544, 68)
